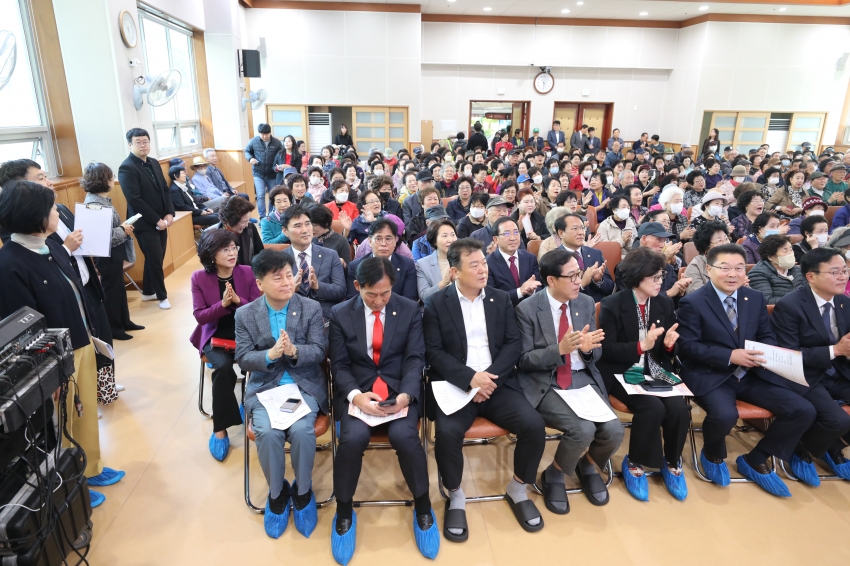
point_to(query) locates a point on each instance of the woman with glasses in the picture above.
(776, 274)
(708, 235)
(640, 345)
(235, 216)
(220, 288)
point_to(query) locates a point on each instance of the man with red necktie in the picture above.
(377, 354)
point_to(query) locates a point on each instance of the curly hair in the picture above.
(705, 232)
(639, 264)
(771, 245)
(233, 209)
(97, 178)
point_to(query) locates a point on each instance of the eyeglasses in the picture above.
(726, 270)
(383, 240)
(575, 229)
(231, 249)
(372, 202)
(509, 234)
(836, 273)
(719, 242)
(571, 276)
(658, 277)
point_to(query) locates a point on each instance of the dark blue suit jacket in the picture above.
(330, 274)
(402, 353)
(597, 292)
(405, 276)
(706, 337)
(500, 273)
(798, 325)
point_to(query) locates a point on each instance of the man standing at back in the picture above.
(555, 135)
(578, 139)
(260, 153)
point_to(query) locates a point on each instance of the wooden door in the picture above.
(805, 127)
(567, 114)
(594, 116)
(397, 133)
(288, 121)
(750, 131)
(725, 122)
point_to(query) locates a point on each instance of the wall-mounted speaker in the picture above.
(251, 63)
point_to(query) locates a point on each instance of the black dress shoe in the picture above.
(123, 336)
(425, 522)
(342, 526)
(761, 468)
(134, 326)
(838, 457)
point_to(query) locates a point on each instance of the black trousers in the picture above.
(794, 415)
(654, 419)
(354, 437)
(152, 245)
(506, 408)
(225, 407)
(205, 220)
(831, 423)
(115, 293)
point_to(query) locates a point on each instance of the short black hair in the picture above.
(137, 133)
(745, 198)
(564, 196)
(807, 226)
(478, 168)
(174, 172)
(233, 209)
(711, 255)
(434, 229)
(373, 269)
(480, 198)
(25, 207)
(462, 247)
(382, 223)
(771, 245)
(614, 201)
(762, 220)
(553, 262)
(212, 242)
(639, 264)
(693, 175)
(321, 216)
(295, 211)
(560, 224)
(16, 170)
(264, 129)
(271, 261)
(494, 229)
(706, 231)
(652, 215)
(812, 260)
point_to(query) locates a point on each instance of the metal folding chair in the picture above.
(824, 477)
(622, 408)
(128, 265)
(746, 412)
(204, 362)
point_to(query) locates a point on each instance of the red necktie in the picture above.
(380, 386)
(578, 259)
(565, 372)
(514, 270)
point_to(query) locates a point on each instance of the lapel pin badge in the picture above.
(491, 300)
(393, 313)
(746, 298)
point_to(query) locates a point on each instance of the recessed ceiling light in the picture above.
(644, 14)
(579, 3)
(565, 11)
(452, 0)
(782, 9)
(487, 9)
(703, 8)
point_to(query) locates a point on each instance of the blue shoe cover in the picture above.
(107, 477)
(841, 470)
(219, 447)
(717, 473)
(771, 482)
(676, 485)
(209, 365)
(805, 471)
(276, 524)
(96, 498)
(342, 547)
(242, 412)
(305, 519)
(638, 486)
(427, 541)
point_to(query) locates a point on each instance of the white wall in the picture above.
(339, 58)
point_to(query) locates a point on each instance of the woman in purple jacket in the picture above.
(217, 291)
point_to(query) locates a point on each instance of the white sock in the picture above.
(457, 500)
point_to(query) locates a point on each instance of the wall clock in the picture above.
(544, 83)
(129, 33)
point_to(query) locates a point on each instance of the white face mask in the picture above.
(476, 212)
(773, 180)
(594, 166)
(379, 172)
(622, 213)
(817, 212)
(785, 261)
(738, 179)
(315, 181)
(822, 238)
(560, 150)
(712, 147)
(609, 179)
(715, 210)
(586, 174)
(548, 154)
(554, 170)
(676, 208)
(341, 197)
(786, 163)
(537, 179)
(668, 158)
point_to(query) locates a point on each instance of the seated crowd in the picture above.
(514, 271)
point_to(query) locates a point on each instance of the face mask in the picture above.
(712, 147)
(315, 181)
(609, 179)
(476, 212)
(384, 196)
(586, 174)
(548, 154)
(773, 180)
(379, 172)
(668, 158)
(622, 213)
(554, 170)
(537, 179)
(715, 210)
(770, 232)
(785, 261)
(560, 150)
(676, 208)
(594, 166)
(822, 238)
(786, 162)
(739, 179)
(341, 197)
(816, 212)
(467, 174)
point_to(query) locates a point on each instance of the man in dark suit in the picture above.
(383, 236)
(512, 269)
(555, 135)
(578, 139)
(714, 323)
(596, 281)
(322, 275)
(147, 194)
(472, 341)
(378, 354)
(816, 320)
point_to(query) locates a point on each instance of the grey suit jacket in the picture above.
(540, 358)
(306, 330)
(332, 286)
(428, 275)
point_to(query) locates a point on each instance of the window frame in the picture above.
(175, 125)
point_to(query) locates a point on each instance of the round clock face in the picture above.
(128, 29)
(544, 83)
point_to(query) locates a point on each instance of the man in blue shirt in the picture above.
(215, 175)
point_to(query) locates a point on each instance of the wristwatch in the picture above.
(295, 355)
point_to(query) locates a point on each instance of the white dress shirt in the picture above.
(309, 258)
(63, 232)
(370, 329)
(475, 323)
(516, 261)
(576, 363)
(832, 324)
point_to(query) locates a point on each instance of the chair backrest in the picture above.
(750, 266)
(592, 223)
(611, 253)
(275, 247)
(534, 246)
(598, 306)
(682, 272)
(769, 308)
(336, 226)
(830, 213)
(445, 201)
(740, 241)
(689, 250)
(690, 210)
(795, 238)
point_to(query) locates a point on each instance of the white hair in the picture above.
(667, 194)
(208, 151)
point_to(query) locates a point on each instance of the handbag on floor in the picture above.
(106, 392)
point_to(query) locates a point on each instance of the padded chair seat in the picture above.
(320, 427)
(618, 405)
(747, 411)
(846, 408)
(482, 428)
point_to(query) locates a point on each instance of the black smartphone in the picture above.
(290, 405)
(387, 402)
(656, 385)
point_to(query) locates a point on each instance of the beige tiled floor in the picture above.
(179, 506)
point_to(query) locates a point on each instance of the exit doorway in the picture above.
(573, 114)
(496, 115)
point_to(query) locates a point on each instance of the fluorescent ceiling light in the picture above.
(487, 9)
(782, 9)
(579, 3)
(565, 11)
(703, 8)
(644, 14)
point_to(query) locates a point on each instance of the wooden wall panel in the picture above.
(198, 46)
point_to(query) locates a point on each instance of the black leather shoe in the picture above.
(838, 457)
(123, 336)
(134, 326)
(761, 468)
(425, 522)
(342, 526)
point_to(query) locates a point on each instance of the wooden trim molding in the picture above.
(757, 19)
(335, 6)
(582, 22)
(204, 107)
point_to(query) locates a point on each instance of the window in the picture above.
(24, 129)
(176, 124)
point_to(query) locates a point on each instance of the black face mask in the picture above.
(384, 196)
